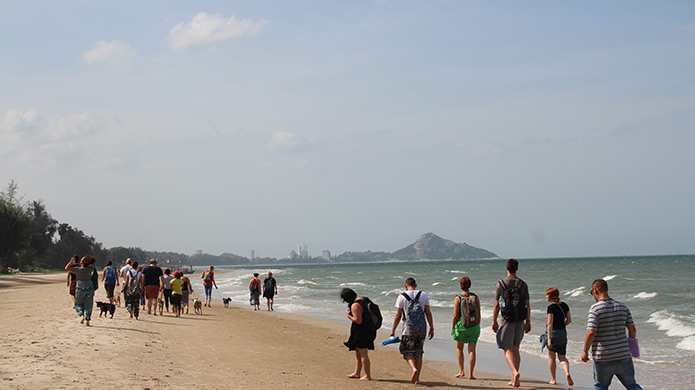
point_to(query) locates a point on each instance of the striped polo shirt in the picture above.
(609, 319)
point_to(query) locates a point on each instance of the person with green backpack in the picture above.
(465, 327)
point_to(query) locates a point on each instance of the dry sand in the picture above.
(45, 347)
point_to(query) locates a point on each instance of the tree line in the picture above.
(31, 239)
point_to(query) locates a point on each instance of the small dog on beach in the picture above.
(198, 306)
(226, 301)
(160, 305)
(106, 308)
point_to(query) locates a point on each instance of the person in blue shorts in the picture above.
(208, 281)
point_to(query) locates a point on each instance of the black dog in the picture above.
(106, 307)
(226, 301)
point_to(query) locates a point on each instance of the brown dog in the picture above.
(160, 305)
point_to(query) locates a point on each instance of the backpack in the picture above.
(134, 283)
(374, 313)
(110, 277)
(255, 286)
(95, 279)
(415, 315)
(468, 315)
(206, 276)
(513, 305)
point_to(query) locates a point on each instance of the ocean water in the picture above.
(658, 290)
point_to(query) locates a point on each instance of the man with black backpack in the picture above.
(513, 303)
(414, 306)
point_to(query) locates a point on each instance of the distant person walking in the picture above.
(414, 306)
(362, 332)
(270, 290)
(134, 285)
(110, 280)
(255, 292)
(208, 281)
(72, 282)
(167, 287)
(513, 302)
(605, 334)
(556, 334)
(186, 290)
(176, 293)
(84, 291)
(465, 327)
(154, 283)
(124, 270)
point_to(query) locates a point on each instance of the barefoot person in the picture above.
(513, 302)
(414, 305)
(84, 292)
(208, 281)
(154, 284)
(133, 287)
(605, 335)
(362, 332)
(176, 293)
(255, 292)
(558, 318)
(110, 280)
(270, 290)
(72, 282)
(466, 326)
(186, 290)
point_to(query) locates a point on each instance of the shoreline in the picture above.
(46, 347)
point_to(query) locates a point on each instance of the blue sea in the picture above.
(657, 289)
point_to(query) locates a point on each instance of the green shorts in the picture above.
(466, 335)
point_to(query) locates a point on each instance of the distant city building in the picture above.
(293, 255)
(253, 254)
(303, 250)
(326, 255)
(199, 252)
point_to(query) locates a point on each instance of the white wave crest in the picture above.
(674, 324)
(436, 283)
(395, 291)
(576, 292)
(455, 271)
(688, 344)
(455, 278)
(351, 284)
(609, 277)
(304, 281)
(645, 295)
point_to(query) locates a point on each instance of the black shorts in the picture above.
(176, 300)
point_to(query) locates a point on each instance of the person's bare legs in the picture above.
(416, 367)
(565, 364)
(471, 360)
(358, 367)
(366, 364)
(552, 367)
(513, 360)
(459, 358)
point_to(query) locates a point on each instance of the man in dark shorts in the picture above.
(154, 283)
(413, 340)
(270, 289)
(516, 319)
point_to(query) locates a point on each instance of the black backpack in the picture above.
(374, 313)
(514, 305)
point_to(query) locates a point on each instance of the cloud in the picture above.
(30, 122)
(16, 121)
(206, 30)
(115, 53)
(286, 141)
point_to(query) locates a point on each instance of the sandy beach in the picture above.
(45, 347)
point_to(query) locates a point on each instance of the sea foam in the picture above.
(688, 344)
(609, 277)
(645, 295)
(576, 292)
(675, 325)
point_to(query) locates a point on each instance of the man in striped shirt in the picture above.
(605, 334)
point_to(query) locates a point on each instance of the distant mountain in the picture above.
(430, 246)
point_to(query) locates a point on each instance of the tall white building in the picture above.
(303, 251)
(326, 255)
(253, 254)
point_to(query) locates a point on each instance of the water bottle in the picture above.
(501, 302)
(392, 339)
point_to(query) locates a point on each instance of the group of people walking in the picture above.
(605, 335)
(141, 286)
(269, 288)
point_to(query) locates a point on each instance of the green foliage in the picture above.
(15, 233)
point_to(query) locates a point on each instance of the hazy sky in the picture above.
(531, 129)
